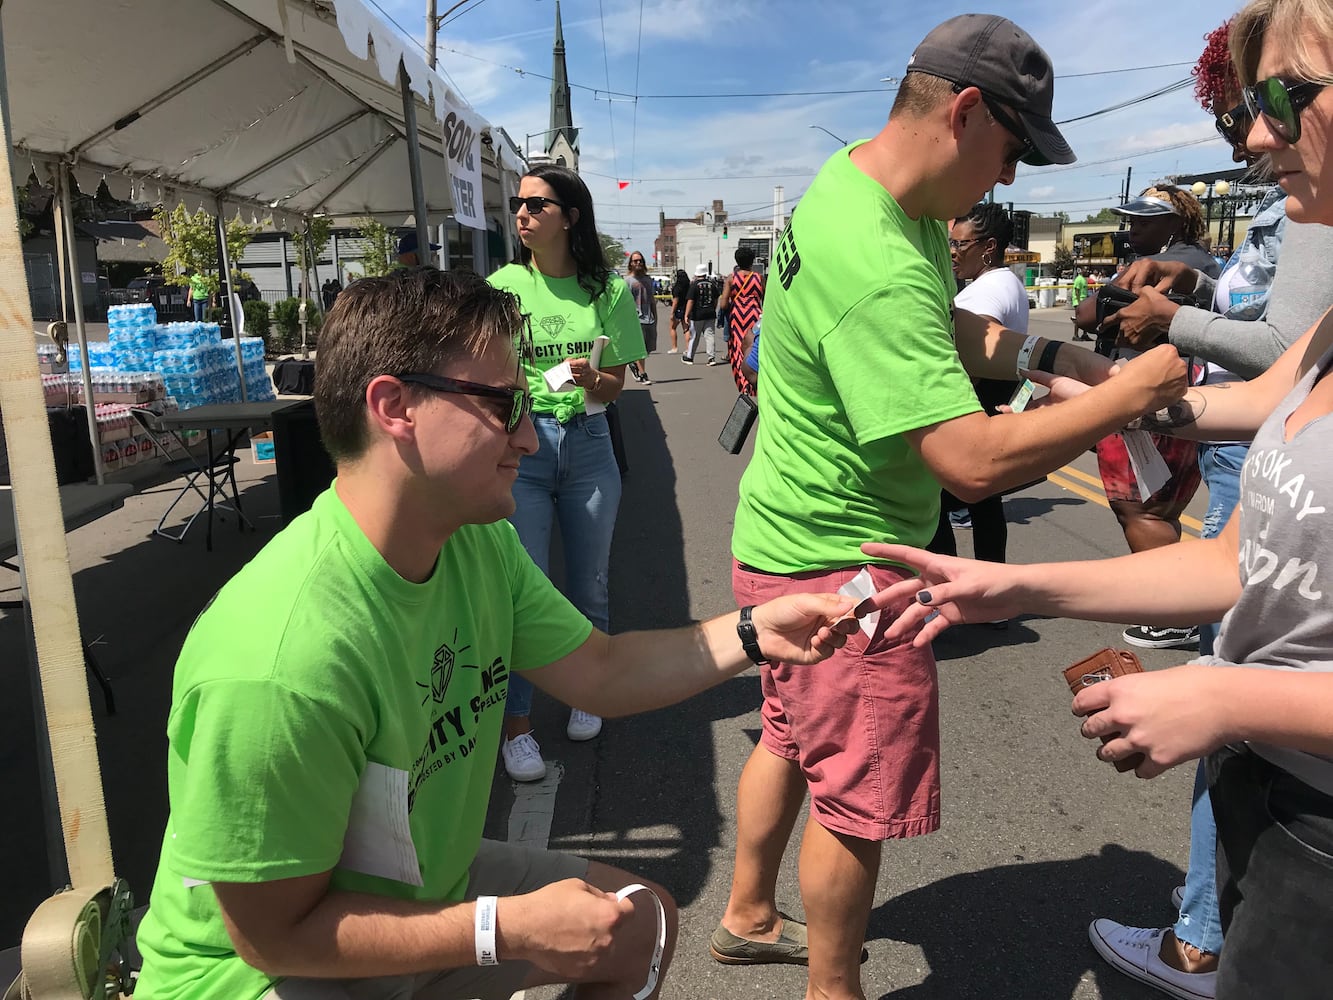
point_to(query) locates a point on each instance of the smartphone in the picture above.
(1022, 396)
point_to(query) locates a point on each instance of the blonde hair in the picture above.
(1294, 27)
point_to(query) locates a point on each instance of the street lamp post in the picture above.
(840, 141)
(527, 140)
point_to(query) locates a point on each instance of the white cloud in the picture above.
(1045, 191)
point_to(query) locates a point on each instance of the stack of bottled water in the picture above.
(132, 335)
(258, 385)
(188, 359)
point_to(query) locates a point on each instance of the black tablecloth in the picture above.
(293, 377)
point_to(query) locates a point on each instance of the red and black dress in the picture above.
(746, 303)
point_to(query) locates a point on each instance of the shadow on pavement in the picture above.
(1025, 510)
(1020, 930)
(135, 610)
(664, 828)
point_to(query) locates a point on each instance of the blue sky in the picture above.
(679, 152)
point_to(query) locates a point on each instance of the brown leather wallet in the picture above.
(1103, 665)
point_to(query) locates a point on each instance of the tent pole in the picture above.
(85, 361)
(58, 218)
(232, 297)
(414, 166)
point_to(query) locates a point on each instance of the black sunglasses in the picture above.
(1281, 103)
(1234, 125)
(534, 205)
(520, 400)
(1012, 126)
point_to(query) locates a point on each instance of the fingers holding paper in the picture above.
(945, 591)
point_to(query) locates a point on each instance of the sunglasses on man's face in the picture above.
(1234, 125)
(519, 399)
(534, 205)
(1012, 126)
(1281, 103)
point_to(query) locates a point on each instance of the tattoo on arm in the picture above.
(1179, 414)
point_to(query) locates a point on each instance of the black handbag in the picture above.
(743, 414)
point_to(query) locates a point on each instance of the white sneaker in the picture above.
(523, 758)
(1177, 896)
(1135, 951)
(583, 725)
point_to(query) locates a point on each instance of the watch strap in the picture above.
(749, 636)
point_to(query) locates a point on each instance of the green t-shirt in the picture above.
(198, 287)
(1080, 288)
(329, 715)
(858, 349)
(565, 322)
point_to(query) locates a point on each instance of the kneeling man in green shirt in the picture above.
(336, 710)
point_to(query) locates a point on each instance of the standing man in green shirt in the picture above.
(336, 709)
(198, 295)
(1080, 291)
(868, 410)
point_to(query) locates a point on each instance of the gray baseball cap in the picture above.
(999, 58)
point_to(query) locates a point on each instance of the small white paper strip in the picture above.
(561, 379)
(1150, 470)
(378, 839)
(862, 586)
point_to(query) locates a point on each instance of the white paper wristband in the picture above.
(1024, 363)
(484, 931)
(659, 946)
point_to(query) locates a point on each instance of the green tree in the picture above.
(192, 243)
(1105, 215)
(1063, 259)
(312, 241)
(613, 251)
(379, 249)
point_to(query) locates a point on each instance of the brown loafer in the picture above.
(789, 949)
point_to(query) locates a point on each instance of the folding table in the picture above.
(234, 421)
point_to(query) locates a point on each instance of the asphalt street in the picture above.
(1038, 836)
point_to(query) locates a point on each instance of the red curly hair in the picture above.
(1214, 75)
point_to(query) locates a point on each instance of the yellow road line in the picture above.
(1098, 496)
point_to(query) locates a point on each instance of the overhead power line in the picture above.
(619, 94)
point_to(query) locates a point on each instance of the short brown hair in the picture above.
(920, 94)
(414, 319)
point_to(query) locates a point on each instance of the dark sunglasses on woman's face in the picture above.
(1235, 125)
(1281, 102)
(534, 205)
(520, 400)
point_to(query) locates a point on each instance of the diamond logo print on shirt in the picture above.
(442, 669)
(552, 324)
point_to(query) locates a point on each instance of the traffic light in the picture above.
(724, 231)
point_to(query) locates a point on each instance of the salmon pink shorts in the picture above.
(863, 725)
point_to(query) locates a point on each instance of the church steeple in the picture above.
(562, 141)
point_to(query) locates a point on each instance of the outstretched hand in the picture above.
(945, 591)
(1169, 716)
(804, 628)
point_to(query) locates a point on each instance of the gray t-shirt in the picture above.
(1284, 618)
(644, 303)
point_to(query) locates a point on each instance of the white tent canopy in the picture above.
(277, 107)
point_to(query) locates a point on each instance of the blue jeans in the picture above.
(1200, 923)
(572, 478)
(199, 306)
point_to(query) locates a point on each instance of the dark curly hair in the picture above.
(1193, 228)
(1215, 74)
(584, 245)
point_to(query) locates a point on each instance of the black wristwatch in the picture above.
(749, 637)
